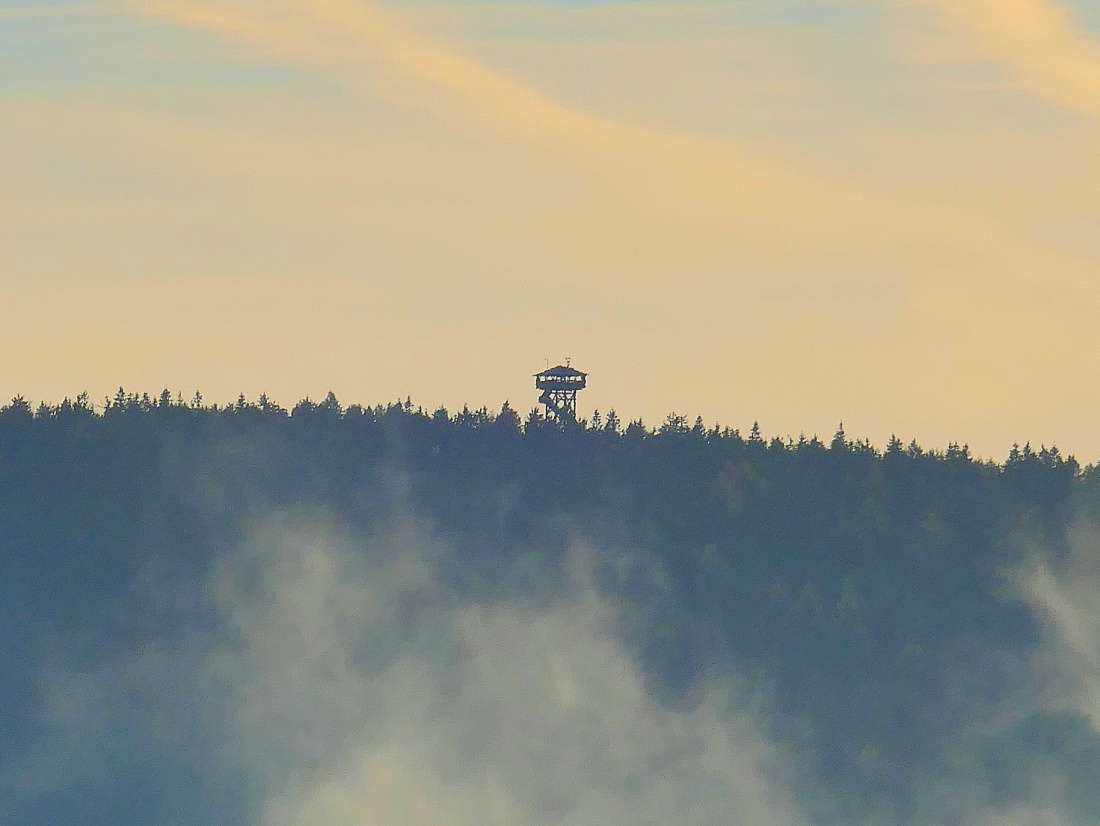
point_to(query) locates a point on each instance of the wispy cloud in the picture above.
(697, 185)
(1042, 46)
(694, 183)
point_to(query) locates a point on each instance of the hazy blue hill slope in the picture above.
(845, 583)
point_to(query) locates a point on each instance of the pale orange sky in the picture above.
(797, 212)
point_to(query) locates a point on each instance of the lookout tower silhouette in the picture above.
(559, 386)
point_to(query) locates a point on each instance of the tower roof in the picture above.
(561, 372)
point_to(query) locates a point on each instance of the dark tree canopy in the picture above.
(845, 577)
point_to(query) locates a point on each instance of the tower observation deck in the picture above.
(559, 386)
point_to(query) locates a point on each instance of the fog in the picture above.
(317, 675)
(383, 699)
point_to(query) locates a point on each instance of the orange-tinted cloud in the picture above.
(695, 184)
(1045, 50)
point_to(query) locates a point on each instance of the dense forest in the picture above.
(860, 591)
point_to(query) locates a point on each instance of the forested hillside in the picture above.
(863, 595)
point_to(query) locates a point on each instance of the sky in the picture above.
(797, 212)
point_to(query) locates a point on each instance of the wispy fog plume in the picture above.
(362, 691)
(1035, 748)
(322, 676)
(1065, 596)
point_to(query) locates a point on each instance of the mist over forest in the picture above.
(247, 614)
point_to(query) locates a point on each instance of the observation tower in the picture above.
(559, 386)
